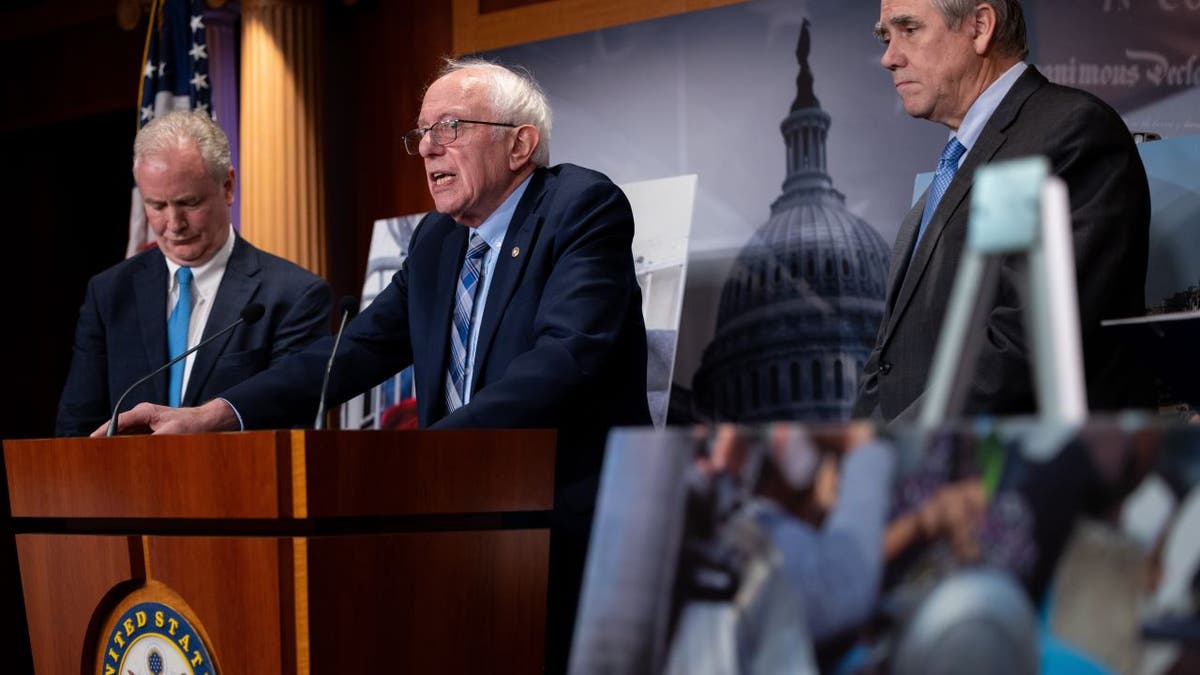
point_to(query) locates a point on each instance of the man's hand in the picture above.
(727, 453)
(954, 513)
(216, 415)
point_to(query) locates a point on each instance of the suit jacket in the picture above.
(1090, 148)
(122, 332)
(562, 343)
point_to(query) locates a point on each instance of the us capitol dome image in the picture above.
(801, 306)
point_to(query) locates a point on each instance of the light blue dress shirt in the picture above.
(492, 231)
(981, 110)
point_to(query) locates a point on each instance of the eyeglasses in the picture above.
(442, 133)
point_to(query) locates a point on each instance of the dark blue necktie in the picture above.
(947, 166)
(460, 334)
(177, 334)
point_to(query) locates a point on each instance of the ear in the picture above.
(983, 28)
(525, 141)
(227, 187)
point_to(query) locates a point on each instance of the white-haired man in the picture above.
(517, 306)
(549, 314)
(141, 312)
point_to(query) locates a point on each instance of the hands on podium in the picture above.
(216, 415)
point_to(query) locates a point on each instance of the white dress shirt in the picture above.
(206, 279)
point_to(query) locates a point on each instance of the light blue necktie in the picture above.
(177, 334)
(468, 285)
(947, 166)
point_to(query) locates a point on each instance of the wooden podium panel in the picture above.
(65, 579)
(366, 473)
(224, 475)
(234, 585)
(298, 552)
(464, 597)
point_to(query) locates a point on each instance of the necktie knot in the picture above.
(478, 247)
(950, 155)
(947, 167)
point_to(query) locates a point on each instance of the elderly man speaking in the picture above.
(517, 305)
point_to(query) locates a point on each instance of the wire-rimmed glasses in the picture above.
(444, 132)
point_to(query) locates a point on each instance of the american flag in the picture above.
(174, 77)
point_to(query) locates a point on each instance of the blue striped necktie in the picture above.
(947, 166)
(177, 334)
(468, 285)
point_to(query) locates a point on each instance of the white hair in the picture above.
(177, 130)
(515, 97)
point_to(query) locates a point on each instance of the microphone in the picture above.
(349, 309)
(250, 314)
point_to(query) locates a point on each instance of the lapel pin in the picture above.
(516, 251)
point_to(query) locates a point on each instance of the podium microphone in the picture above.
(250, 314)
(349, 309)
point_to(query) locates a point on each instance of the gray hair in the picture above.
(514, 95)
(1010, 36)
(177, 130)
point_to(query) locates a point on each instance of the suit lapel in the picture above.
(990, 140)
(904, 245)
(238, 286)
(522, 229)
(150, 293)
(445, 281)
(951, 201)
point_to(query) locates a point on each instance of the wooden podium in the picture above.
(297, 551)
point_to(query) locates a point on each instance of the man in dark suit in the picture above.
(517, 306)
(183, 169)
(960, 64)
(553, 333)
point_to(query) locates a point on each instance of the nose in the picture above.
(175, 218)
(427, 147)
(892, 58)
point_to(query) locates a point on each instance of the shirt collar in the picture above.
(203, 274)
(983, 107)
(493, 229)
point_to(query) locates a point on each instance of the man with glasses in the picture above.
(517, 305)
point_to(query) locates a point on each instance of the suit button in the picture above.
(885, 368)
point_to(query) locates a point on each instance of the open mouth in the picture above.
(441, 177)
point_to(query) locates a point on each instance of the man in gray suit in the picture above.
(960, 63)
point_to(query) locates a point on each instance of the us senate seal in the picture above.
(152, 638)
